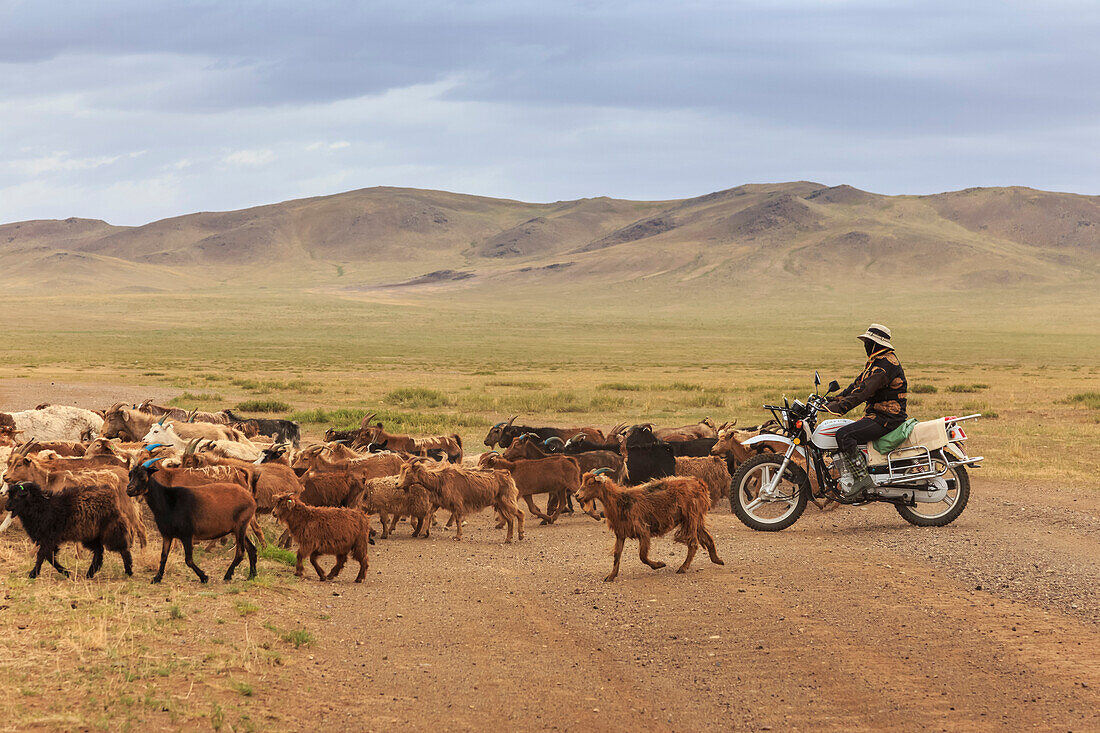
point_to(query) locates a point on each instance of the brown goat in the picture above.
(382, 497)
(461, 491)
(450, 445)
(558, 476)
(651, 510)
(192, 478)
(711, 470)
(325, 531)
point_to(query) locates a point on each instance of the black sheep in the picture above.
(88, 515)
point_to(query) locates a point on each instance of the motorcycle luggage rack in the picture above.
(914, 460)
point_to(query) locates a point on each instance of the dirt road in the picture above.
(850, 620)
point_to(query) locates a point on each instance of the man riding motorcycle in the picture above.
(883, 387)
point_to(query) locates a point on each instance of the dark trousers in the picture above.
(861, 431)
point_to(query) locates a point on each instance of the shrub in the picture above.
(967, 387)
(1088, 399)
(923, 389)
(189, 398)
(417, 397)
(263, 406)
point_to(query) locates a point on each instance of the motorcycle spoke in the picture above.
(753, 504)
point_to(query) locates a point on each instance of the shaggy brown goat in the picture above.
(461, 491)
(712, 471)
(651, 510)
(382, 497)
(325, 531)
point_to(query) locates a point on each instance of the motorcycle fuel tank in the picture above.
(824, 436)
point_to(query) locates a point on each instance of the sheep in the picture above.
(712, 471)
(462, 490)
(325, 531)
(88, 515)
(382, 497)
(55, 422)
(652, 510)
(203, 513)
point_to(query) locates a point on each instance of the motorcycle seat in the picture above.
(931, 434)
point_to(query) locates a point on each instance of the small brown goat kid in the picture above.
(390, 503)
(651, 510)
(325, 531)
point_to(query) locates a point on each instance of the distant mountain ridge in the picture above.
(385, 237)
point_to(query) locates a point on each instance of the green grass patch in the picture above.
(518, 383)
(977, 387)
(263, 406)
(1088, 399)
(264, 386)
(923, 389)
(175, 612)
(417, 397)
(622, 387)
(278, 554)
(246, 608)
(297, 637)
(417, 423)
(243, 688)
(190, 398)
(706, 399)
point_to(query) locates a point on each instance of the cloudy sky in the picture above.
(133, 111)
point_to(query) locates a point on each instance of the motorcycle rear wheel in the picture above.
(958, 482)
(745, 487)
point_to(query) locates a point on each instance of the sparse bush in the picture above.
(923, 389)
(967, 387)
(263, 406)
(1088, 399)
(297, 637)
(622, 387)
(277, 554)
(189, 398)
(417, 397)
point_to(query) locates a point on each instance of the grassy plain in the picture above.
(176, 655)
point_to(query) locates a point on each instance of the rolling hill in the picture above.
(385, 241)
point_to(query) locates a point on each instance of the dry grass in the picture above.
(115, 653)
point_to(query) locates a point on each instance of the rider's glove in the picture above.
(834, 407)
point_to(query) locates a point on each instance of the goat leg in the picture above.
(127, 561)
(250, 547)
(420, 526)
(458, 526)
(165, 546)
(317, 566)
(693, 546)
(6, 523)
(56, 564)
(393, 524)
(340, 560)
(97, 559)
(643, 553)
(298, 569)
(707, 539)
(238, 554)
(619, 542)
(187, 558)
(535, 510)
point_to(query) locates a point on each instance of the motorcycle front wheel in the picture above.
(943, 512)
(779, 512)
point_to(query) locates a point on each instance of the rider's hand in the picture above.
(833, 408)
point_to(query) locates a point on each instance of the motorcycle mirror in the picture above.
(833, 386)
(817, 379)
(785, 403)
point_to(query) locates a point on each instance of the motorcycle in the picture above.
(925, 477)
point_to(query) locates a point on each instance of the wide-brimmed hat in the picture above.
(879, 334)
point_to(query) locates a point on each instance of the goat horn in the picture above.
(601, 471)
(511, 420)
(117, 406)
(151, 461)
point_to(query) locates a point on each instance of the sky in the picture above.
(139, 110)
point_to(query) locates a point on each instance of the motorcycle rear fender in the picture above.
(769, 438)
(955, 451)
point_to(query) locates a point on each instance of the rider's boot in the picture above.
(854, 476)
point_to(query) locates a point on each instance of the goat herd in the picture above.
(77, 475)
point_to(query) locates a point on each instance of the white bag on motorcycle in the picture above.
(931, 435)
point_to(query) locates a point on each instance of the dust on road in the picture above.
(849, 620)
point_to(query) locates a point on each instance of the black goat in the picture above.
(645, 457)
(197, 513)
(89, 515)
(282, 431)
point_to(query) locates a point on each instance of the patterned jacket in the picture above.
(882, 386)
